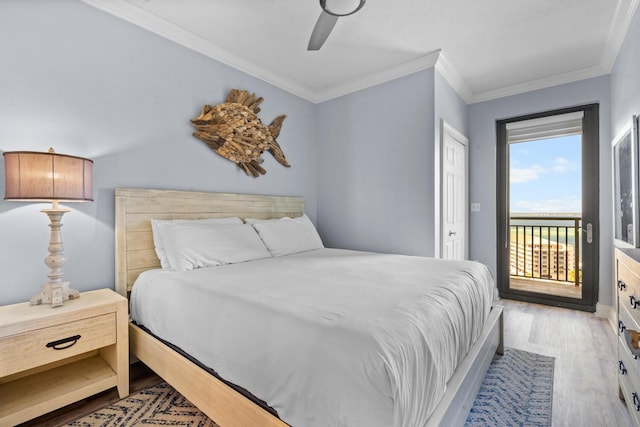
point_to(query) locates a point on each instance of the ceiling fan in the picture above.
(325, 23)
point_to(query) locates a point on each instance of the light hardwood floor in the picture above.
(585, 388)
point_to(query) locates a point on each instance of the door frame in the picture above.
(446, 128)
(590, 162)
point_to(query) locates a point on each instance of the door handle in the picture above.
(589, 231)
(452, 233)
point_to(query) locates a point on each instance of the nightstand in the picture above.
(51, 357)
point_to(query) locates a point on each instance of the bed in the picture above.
(223, 403)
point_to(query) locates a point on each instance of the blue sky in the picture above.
(545, 175)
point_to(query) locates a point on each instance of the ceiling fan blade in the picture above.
(321, 31)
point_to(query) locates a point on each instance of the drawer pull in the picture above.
(621, 285)
(634, 301)
(59, 345)
(621, 368)
(621, 326)
(636, 401)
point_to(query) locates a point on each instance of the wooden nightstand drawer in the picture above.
(41, 346)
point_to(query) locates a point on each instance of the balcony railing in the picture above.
(546, 247)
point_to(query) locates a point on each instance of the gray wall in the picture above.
(625, 85)
(375, 157)
(92, 85)
(482, 133)
(379, 164)
(449, 106)
(625, 80)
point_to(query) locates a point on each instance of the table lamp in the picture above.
(49, 177)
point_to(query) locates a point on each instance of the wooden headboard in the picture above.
(135, 252)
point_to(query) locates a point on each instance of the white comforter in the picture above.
(327, 337)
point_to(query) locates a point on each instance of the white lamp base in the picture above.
(54, 293)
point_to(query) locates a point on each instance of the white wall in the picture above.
(482, 133)
(92, 85)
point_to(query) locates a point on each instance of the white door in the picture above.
(453, 223)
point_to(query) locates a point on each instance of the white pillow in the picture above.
(158, 226)
(285, 236)
(189, 247)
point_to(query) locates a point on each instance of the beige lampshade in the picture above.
(34, 176)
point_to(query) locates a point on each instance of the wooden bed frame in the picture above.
(135, 253)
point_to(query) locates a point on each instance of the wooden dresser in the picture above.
(51, 357)
(627, 270)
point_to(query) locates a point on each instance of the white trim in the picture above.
(453, 78)
(446, 128)
(422, 63)
(558, 79)
(619, 28)
(607, 312)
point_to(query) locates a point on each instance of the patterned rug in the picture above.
(160, 405)
(517, 391)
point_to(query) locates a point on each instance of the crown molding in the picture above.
(547, 82)
(625, 11)
(453, 78)
(422, 63)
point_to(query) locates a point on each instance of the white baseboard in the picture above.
(607, 312)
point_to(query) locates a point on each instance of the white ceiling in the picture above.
(486, 49)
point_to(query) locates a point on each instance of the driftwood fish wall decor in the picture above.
(234, 131)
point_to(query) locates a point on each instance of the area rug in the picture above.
(517, 391)
(160, 405)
